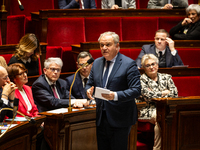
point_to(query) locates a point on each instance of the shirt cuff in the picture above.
(5, 101)
(116, 96)
(174, 52)
(11, 104)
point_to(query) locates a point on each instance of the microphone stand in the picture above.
(3, 8)
(28, 118)
(70, 90)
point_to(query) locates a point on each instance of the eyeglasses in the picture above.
(81, 65)
(23, 73)
(149, 65)
(55, 69)
(5, 78)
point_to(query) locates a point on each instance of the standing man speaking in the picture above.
(119, 74)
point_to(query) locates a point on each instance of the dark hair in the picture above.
(162, 31)
(13, 70)
(83, 55)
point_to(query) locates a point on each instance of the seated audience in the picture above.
(78, 89)
(27, 52)
(68, 4)
(189, 28)
(163, 48)
(116, 4)
(49, 91)
(7, 94)
(154, 85)
(3, 62)
(166, 4)
(18, 74)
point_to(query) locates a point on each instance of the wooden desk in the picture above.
(22, 136)
(76, 131)
(179, 122)
(40, 18)
(3, 24)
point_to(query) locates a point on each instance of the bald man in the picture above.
(7, 93)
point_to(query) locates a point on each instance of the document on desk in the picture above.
(99, 91)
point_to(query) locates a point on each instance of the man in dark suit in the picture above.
(163, 49)
(69, 4)
(119, 74)
(49, 91)
(78, 89)
(7, 94)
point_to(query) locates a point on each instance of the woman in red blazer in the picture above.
(18, 74)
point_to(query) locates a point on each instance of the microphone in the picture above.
(16, 103)
(87, 63)
(70, 90)
(21, 7)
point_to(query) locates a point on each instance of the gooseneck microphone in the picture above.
(21, 7)
(70, 91)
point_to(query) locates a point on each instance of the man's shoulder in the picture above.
(71, 77)
(147, 46)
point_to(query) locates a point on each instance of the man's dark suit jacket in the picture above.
(77, 90)
(67, 4)
(151, 49)
(44, 97)
(125, 80)
(4, 113)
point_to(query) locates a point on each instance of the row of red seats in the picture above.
(36, 5)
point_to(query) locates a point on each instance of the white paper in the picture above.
(58, 111)
(99, 91)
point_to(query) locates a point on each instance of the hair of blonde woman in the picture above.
(195, 7)
(3, 62)
(51, 60)
(13, 70)
(147, 57)
(113, 34)
(27, 44)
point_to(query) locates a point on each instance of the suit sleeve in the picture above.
(132, 4)
(44, 98)
(93, 4)
(152, 4)
(104, 4)
(138, 60)
(63, 4)
(177, 60)
(133, 82)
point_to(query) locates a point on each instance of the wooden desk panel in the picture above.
(22, 136)
(76, 131)
(179, 122)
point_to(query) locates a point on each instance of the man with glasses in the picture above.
(78, 90)
(163, 49)
(7, 91)
(49, 91)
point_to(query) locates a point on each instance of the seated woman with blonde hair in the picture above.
(3, 62)
(18, 74)
(154, 85)
(27, 52)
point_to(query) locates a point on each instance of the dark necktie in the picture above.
(54, 91)
(85, 81)
(160, 55)
(106, 74)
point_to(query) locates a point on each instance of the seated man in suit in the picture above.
(7, 91)
(166, 4)
(49, 91)
(78, 89)
(163, 48)
(67, 4)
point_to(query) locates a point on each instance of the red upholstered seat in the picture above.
(97, 25)
(7, 57)
(193, 1)
(168, 22)
(30, 6)
(187, 86)
(141, 4)
(139, 28)
(65, 31)
(15, 28)
(190, 56)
